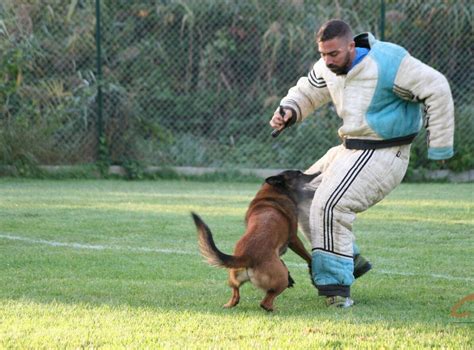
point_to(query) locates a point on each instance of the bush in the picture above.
(195, 82)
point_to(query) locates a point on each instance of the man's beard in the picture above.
(341, 70)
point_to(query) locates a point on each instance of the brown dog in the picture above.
(272, 219)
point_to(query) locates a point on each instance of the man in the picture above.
(377, 89)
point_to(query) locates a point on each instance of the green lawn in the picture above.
(113, 264)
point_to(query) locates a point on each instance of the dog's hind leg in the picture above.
(237, 277)
(276, 283)
(234, 299)
(267, 302)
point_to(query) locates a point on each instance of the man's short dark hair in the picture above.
(335, 28)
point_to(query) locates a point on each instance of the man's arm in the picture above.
(424, 84)
(308, 94)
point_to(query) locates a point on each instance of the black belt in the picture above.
(376, 144)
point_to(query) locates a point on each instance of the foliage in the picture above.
(194, 82)
(45, 93)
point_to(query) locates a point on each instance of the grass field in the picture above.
(113, 264)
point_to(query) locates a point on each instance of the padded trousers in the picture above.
(351, 182)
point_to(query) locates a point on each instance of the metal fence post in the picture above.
(98, 38)
(382, 20)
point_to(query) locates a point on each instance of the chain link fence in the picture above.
(195, 82)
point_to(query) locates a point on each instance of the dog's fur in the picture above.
(272, 220)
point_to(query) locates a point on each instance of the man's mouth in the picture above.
(337, 70)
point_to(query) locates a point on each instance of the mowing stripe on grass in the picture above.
(175, 251)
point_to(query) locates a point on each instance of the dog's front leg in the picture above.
(297, 246)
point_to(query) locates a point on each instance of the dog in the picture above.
(271, 228)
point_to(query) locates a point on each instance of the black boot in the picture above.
(361, 266)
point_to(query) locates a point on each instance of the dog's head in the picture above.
(297, 184)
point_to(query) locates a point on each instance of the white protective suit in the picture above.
(380, 102)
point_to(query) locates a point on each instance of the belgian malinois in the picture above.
(271, 227)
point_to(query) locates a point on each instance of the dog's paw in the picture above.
(291, 281)
(267, 308)
(230, 304)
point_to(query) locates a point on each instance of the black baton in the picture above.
(275, 133)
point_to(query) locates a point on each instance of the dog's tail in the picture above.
(209, 250)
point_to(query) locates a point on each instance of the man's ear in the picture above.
(276, 180)
(352, 45)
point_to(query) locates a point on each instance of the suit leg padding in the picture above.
(352, 182)
(332, 274)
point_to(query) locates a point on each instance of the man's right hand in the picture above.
(278, 121)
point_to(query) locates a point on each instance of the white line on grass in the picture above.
(434, 275)
(387, 272)
(94, 246)
(174, 251)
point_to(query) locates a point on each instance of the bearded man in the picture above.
(382, 94)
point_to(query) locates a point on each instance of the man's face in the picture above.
(338, 54)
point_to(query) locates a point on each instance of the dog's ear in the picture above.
(276, 180)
